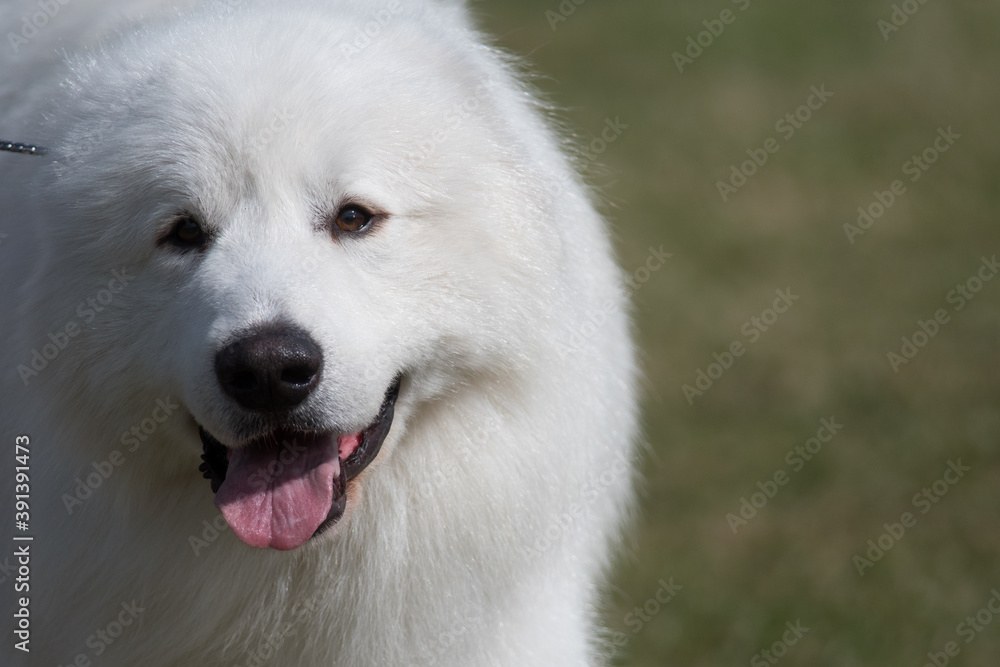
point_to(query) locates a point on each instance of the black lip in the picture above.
(215, 458)
(373, 436)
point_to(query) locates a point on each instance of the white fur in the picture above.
(482, 532)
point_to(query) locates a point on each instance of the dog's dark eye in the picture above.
(186, 233)
(353, 218)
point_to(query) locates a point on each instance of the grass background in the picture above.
(827, 355)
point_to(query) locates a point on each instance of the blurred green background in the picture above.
(827, 355)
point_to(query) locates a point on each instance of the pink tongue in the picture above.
(278, 497)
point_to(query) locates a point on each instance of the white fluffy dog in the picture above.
(330, 256)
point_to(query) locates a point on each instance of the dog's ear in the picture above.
(27, 149)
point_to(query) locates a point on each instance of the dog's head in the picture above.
(316, 223)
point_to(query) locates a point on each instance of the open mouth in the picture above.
(288, 486)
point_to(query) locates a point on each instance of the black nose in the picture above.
(271, 369)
